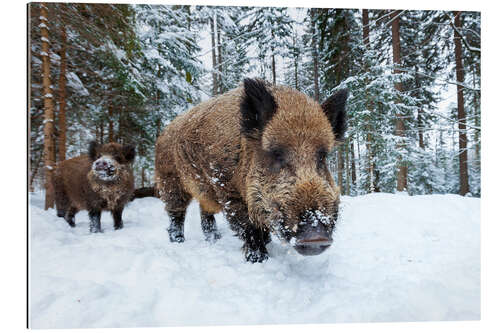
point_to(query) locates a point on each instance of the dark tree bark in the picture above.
(420, 130)
(110, 123)
(62, 97)
(353, 165)
(462, 134)
(219, 55)
(48, 130)
(214, 58)
(315, 54)
(369, 106)
(340, 167)
(402, 173)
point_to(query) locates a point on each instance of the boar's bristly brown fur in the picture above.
(100, 180)
(258, 154)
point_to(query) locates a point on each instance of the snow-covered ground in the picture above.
(394, 258)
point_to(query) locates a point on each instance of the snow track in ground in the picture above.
(394, 258)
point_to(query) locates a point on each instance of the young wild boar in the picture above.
(257, 153)
(101, 180)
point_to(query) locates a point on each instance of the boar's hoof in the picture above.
(254, 256)
(94, 230)
(176, 236)
(212, 237)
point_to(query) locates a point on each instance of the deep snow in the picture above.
(394, 258)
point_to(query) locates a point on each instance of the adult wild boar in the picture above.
(100, 180)
(258, 154)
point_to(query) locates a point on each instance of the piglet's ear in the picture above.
(257, 107)
(334, 108)
(129, 152)
(92, 152)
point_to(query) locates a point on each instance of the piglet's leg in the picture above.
(95, 220)
(70, 216)
(117, 217)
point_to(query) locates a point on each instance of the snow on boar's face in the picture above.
(110, 159)
(289, 188)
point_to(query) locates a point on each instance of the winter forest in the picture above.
(110, 72)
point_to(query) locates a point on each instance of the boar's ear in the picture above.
(92, 152)
(129, 152)
(257, 107)
(334, 108)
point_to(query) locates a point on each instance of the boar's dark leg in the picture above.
(117, 217)
(176, 227)
(95, 220)
(209, 227)
(176, 202)
(254, 237)
(69, 216)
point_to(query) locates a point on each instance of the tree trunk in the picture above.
(214, 58)
(119, 138)
(219, 55)
(353, 165)
(295, 63)
(462, 134)
(143, 177)
(347, 171)
(48, 129)
(34, 172)
(110, 123)
(315, 55)
(402, 173)
(369, 106)
(62, 97)
(420, 129)
(101, 132)
(340, 167)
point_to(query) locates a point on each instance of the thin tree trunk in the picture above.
(477, 133)
(420, 112)
(62, 97)
(219, 55)
(462, 135)
(119, 138)
(402, 173)
(214, 58)
(315, 55)
(340, 167)
(353, 165)
(110, 123)
(34, 172)
(101, 132)
(295, 63)
(347, 171)
(48, 129)
(369, 106)
(143, 177)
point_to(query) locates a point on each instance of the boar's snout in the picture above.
(105, 168)
(312, 236)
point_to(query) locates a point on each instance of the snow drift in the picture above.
(394, 258)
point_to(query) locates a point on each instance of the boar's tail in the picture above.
(144, 192)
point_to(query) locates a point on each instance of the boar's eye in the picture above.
(321, 157)
(119, 159)
(278, 158)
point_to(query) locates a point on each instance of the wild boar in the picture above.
(100, 180)
(258, 154)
